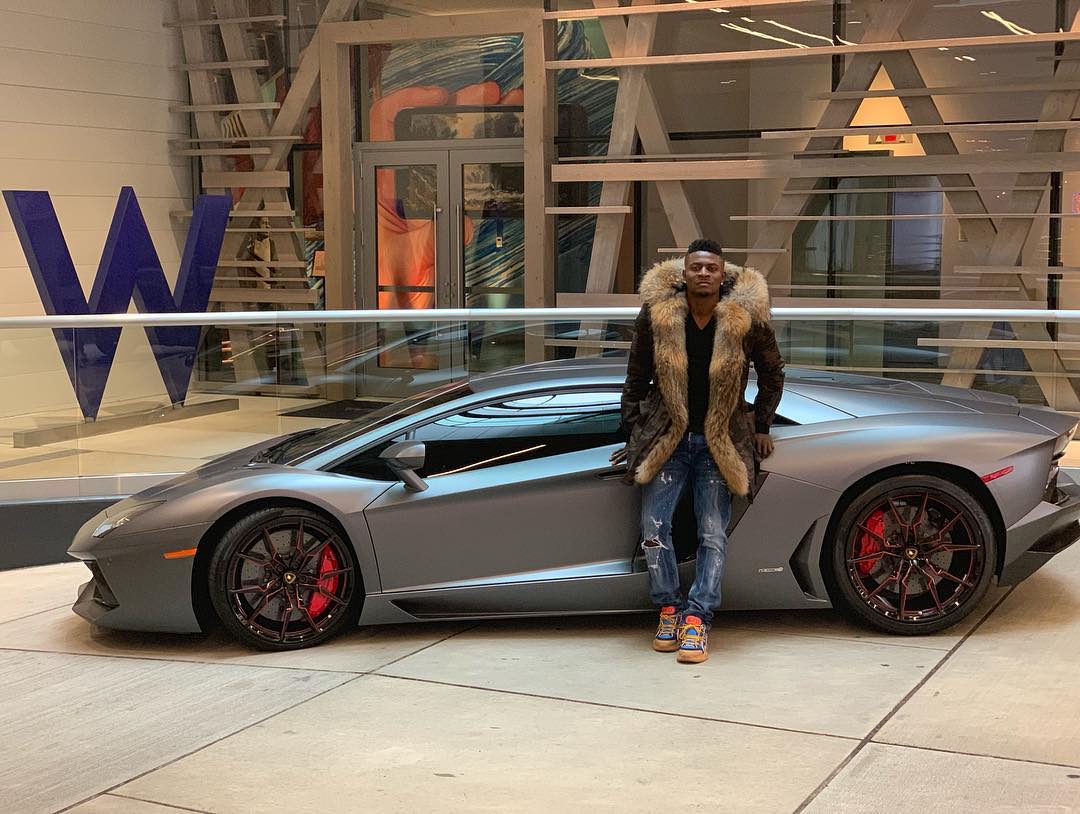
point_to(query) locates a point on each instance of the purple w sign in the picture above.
(129, 268)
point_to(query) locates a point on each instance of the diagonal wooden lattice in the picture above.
(989, 244)
(266, 185)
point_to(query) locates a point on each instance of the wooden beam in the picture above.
(224, 107)
(853, 166)
(889, 129)
(279, 19)
(221, 66)
(303, 88)
(538, 41)
(882, 24)
(874, 190)
(400, 29)
(727, 250)
(238, 178)
(1063, 270)
(812, 52)
(997, 343)
(608, 234)
(954, 90)
(265, 295)
(590, 159)
(223, 151)
(262, 264)
(233, 139)
(921, 216)
(588, 210)
(667, 8)
(653, 134)
(337, 134)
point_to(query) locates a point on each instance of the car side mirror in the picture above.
(404, 458)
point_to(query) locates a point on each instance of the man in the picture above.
(701, 323)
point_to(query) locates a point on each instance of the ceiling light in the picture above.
(807, 33)
(744, 30)
(717, 10)
(1009, 24)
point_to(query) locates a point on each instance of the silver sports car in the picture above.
(896, 503)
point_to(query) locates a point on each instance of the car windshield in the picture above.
(301, 445)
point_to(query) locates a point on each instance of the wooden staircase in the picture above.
(243, 144)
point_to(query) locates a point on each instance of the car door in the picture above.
(523, 511)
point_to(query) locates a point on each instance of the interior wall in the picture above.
(85, 90)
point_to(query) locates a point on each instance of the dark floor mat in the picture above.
(346, 409)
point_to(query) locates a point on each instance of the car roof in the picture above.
(610, 371)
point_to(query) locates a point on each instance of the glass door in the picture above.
(488, 191)
(404, 234)
(437, 228)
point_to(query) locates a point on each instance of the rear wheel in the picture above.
(284, 579)
(913, 554)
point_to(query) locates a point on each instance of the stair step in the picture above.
(231, 139)
(224, 151)
(258, 279)
(222, 66)
(222, 108)
(262, 264)
(266, 18)
(309, 295)
(243, 213)
(299, 230)
(274, 179)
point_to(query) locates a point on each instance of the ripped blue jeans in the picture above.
(692, 464)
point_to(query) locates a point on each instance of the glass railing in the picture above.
(105, 405)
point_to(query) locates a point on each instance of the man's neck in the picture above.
(702, 307)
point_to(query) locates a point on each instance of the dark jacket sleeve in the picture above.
(769, 366)
(639, 371)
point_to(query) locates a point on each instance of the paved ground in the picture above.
(795, 712)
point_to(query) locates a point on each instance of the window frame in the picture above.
(614, 389)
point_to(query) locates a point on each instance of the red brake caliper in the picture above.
(327, 562)
(868, 543)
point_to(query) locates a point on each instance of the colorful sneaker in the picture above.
(667, 634)
(694, 641)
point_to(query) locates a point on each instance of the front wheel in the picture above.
(284, 579)
(913, 554)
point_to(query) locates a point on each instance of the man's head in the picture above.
(703, 268)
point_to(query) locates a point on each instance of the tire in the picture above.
(301, 595)
(912, 555)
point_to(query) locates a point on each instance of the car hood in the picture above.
(869, 395)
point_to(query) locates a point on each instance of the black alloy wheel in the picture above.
(912, 555)
(285, 579)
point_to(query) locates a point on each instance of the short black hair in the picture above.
(703, 244)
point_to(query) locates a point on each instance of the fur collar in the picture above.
(748, 288)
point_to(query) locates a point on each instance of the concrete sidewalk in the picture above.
(794, 712)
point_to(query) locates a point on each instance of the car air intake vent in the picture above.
(103, 594)
(1057, 541)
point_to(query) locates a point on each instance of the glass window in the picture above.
(505, 432)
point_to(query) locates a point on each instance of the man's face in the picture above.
(704, 273)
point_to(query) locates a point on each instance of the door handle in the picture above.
(617, 473)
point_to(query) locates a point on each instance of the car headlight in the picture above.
(111, 523)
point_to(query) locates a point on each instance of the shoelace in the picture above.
(668, 627)
(694, 638)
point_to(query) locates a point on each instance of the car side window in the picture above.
(536, 426)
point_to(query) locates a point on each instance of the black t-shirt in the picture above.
(699, 347)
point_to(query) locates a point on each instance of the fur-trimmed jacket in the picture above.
(655, 410)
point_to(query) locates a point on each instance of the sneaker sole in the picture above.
(692, 657)
(665, 647)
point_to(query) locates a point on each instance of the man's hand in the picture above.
(618, 456)
(763, 444)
